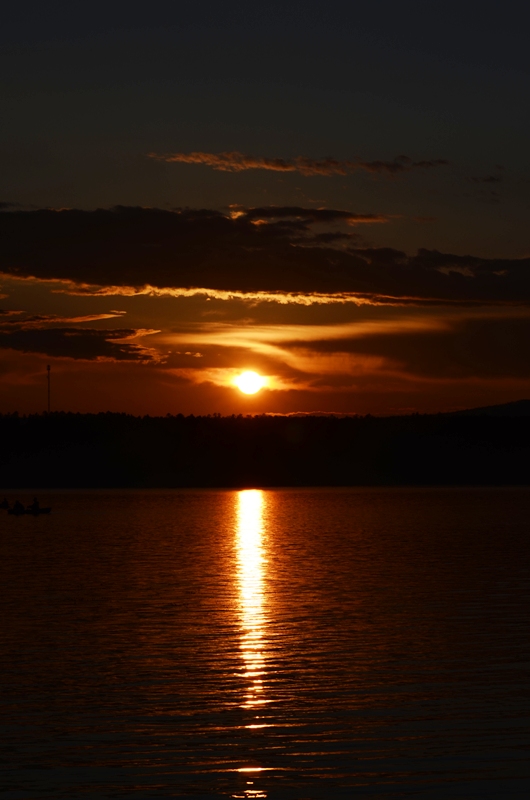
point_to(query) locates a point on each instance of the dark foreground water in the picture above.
(281, 644)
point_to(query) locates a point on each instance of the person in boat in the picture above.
(4, 503)
(34, 507)
(18, 508)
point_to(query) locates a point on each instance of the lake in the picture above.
(304, 643)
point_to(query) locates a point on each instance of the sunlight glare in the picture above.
(250, 382)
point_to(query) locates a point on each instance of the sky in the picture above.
(333, 195)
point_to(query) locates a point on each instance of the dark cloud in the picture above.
(487, 179)
(238, 162)
(131, 248)
(332, 237)
(487, 193)
(401, 164)
(308, 215)
(461, 349)
(489, 196)
(78, 343)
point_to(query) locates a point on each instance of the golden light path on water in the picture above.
(251, 569)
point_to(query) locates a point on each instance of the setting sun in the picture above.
(250, 382)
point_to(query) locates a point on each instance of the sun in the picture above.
(249, 382)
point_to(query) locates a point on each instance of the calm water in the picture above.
(279, 644)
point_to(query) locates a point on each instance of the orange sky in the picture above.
(336, 198)
(165, 352)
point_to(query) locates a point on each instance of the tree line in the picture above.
(120, 450)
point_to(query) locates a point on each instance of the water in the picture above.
(267, 644)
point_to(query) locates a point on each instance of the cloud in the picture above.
(306, 216)
(81, 343)
(284, 352)
(487, 179)
(23, 321)
(480, 347)
(127, 251)
(238, 162)
(415, 349)
(4, 313)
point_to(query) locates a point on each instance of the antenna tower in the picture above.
(48, 368)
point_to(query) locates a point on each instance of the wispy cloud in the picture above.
(486, 179)
(238, 162)
(278, 350)
(305, 215)
(478, 344)
(279, 297)
(23, 321)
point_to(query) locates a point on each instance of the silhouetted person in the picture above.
(18, 508)
(4, 503)
(34, 507)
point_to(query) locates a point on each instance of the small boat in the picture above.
(32, 512)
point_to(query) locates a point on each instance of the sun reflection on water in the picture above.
(251, 569)
(251, 599)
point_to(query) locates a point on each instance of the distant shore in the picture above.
(65, 450)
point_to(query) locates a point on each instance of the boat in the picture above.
(33, 513)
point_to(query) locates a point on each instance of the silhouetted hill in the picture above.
(119, 450)
(520, 408)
